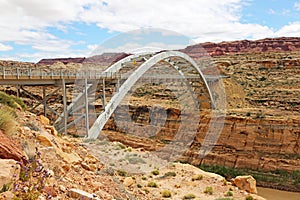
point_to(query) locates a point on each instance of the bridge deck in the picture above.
(53, 77)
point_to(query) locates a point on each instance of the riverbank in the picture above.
(278, 179)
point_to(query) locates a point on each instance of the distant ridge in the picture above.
(281, 44)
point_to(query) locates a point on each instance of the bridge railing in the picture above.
(33, 73)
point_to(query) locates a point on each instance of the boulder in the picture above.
(9, 170)
(247, 183)
(8, 195)
(10, 149)
(45, 141)
(128, 181)
(51, 129)
(44, 120)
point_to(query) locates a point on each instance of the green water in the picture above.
(271, 194)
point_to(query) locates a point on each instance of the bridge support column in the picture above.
(103, 88)
(65, 106)
(44, 101)
(87, 126)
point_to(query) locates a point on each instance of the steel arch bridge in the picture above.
(131, 78)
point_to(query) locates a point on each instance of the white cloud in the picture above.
(137, 48)
(297, 5)
(4, 47)
(290, 30)
(25, 22)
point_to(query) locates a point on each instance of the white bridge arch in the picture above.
(110, 107)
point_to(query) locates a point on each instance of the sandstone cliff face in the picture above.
(258, 144)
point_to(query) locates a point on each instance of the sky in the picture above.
(33, 29)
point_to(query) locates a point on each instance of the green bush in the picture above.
(229, 194)
(152, 184)
(249, 198)
(155, 172)
(209, 190)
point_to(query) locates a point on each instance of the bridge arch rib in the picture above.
(110, 107)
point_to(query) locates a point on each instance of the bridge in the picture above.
(108, 87)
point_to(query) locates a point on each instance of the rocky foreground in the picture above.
(75, 168)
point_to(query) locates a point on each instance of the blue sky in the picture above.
(34, 29)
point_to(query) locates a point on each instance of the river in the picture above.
(271, 194)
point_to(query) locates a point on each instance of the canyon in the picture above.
(262, 125)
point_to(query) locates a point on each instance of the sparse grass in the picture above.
(11, 101)
(197, 177)
(209, 190)
(152, 184)
(8, 122)
(166, 193)
(133, 159)
(189, 196)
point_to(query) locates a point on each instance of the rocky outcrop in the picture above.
(9, 149)
(282, 44)
(247, 183)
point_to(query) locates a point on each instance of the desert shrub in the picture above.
(197, 177)
(249, 197)
(8, 122)
(225, 198)
(170, 174)
(155, 172)
(139, 185)
(166, 193)
(209, 190)
(152, 184)
(189, 196)
(229, 194)
(122, 173)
